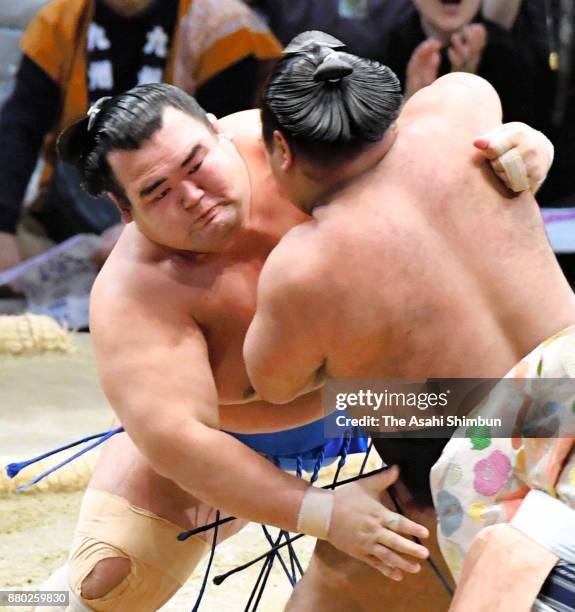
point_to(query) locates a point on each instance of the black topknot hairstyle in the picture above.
(328, 103)
(123, 122)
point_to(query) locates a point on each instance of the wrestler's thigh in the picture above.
(122, 470)
(125, 554)
(334, 581)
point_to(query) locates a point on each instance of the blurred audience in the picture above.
(524, 48)
(550, 29)
(363, 25)
(502, 12)
(542, 23)
(445, 36)
(76, 51)
(14, 18)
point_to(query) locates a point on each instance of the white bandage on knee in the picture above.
(515, 170)
(110, 526)
(314, 517)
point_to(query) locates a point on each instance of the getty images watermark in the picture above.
(498, 408)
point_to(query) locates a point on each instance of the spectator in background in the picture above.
(14, 18)
(540, 23)
(363, 25)
(451, 35)
(76, 51)
(502, 12)
(431, 37)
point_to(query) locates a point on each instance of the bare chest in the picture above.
(221, 298)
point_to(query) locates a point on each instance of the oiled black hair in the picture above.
(328, 104)
(123, 122)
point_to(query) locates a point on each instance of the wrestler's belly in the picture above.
(259, 416)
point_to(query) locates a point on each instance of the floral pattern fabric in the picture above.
(481, 480)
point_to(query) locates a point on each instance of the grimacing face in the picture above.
(187, 186)
(447, 17)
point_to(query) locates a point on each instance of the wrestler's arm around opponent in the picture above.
(162, 388)
(285, 347)
(170, 270)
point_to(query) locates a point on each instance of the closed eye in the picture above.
(161, 196)
(195, 168)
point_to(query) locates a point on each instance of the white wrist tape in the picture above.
(314, 517)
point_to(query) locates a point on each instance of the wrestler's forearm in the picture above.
(223, 472)
(262, 417)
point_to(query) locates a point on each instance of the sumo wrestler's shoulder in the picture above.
(458, 97)
(128, 281)
(298, 266)
(469, 88)
(246, 124)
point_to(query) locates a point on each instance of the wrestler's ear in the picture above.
(122, 206)
(282, 151)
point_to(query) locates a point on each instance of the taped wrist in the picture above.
(314, 517)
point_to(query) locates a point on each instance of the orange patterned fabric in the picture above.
(216, 34)
(210, 37)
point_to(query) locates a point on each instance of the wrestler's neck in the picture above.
(320, 190)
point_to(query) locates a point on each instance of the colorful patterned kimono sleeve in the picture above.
(481, 482)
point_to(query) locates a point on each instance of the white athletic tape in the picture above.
(393, 523)
(314, 517)
(515, 170)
